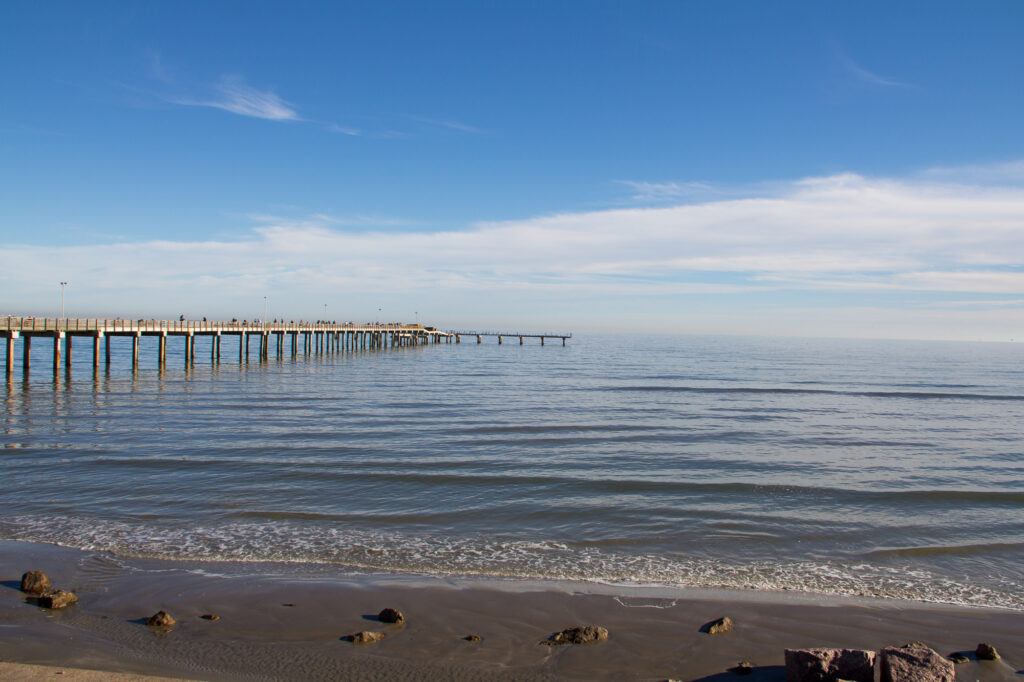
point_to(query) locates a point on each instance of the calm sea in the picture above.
(891, 469)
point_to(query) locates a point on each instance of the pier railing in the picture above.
(43, 324)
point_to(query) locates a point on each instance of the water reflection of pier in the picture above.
(305, 338)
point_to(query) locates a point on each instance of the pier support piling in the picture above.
(57, 336)
(10, 336)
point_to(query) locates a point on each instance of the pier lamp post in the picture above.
(417, 317)
(378, 316)
(325, 313)
(63, 285)
(266, 312)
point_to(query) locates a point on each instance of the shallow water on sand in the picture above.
(891, 469)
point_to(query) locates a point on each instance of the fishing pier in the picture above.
(279, 338)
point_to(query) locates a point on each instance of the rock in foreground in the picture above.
(584, 634)
(718, 627)
(160, 619)
(391, 616)
(914, 664)
(829, 665)
(35, 582)
(986, 652)
(210, 616)
(58, 599)
(364, 637)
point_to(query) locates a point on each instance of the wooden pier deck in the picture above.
(313, 338)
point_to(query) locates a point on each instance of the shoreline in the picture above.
(654, 631)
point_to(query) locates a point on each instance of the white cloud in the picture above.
(238, 98)
(856, 236)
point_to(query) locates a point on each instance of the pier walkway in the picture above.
(314, 338)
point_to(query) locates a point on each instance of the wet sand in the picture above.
(286, 622)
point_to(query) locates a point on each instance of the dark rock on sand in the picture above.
(472, 638)
(743, 668)
(391, 616)
(986, 652)
(160, 619)
(958, 657)
(210, 616)
(583, 634)
(58, 599)
(914, 664)
(718, 627)
(364, 637)
(35, 582)
(829, 665)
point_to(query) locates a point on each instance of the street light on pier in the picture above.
(378, 315)
(325, 313)
(63, 285)
(266, 311)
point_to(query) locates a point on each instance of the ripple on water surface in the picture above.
(883, 468)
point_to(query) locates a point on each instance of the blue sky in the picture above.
(836, 169)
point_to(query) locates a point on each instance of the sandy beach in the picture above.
(277, 623)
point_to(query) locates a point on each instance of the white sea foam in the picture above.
(433, 554)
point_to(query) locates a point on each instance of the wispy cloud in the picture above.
(343, 130)
(450, 124)
(665, 191)
(862, 74)
(1003, 173)
(233, 95)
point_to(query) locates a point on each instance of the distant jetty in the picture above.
(314, 338)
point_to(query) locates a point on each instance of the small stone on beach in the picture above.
(472, 638)
(210, 616)
(58, 599)
(390, 615)
(743, 668)
(364, 637)
(583, 634)
(718, 627)
(35, 582)
(958, 657)
(160, 619)
(986, 652)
